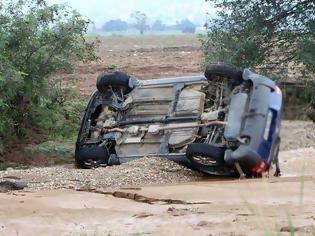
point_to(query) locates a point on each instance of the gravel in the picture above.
(297, 134)
(145, 171)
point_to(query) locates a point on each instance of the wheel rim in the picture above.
(92, 164)
(204, 160)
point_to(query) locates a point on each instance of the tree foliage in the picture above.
(186, 26)
(141, 21)
(36, 40)
(115, 25)
(158, 26)
(273, 35)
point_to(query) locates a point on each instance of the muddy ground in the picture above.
(209, 206)
(192, 206)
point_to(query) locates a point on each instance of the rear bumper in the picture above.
(260, 126)
(246, 157)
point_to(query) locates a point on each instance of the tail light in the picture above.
(259, 168)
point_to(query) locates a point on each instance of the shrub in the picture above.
(275, 36)
(37, 40)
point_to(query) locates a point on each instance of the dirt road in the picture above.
(209, 207)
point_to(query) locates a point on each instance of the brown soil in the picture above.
(144, 58)
(16, 152)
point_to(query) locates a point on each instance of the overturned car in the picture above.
(224, 123)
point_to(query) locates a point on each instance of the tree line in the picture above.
(140, 22)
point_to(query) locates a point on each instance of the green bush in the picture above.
(61, 121)
(275, 36)
(61, 150)
(37, 40)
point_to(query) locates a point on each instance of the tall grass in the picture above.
(260, 219)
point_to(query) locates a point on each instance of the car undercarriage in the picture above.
(196, 121)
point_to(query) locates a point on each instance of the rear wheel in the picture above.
(208, 158)
(202, 154)
(117, 81)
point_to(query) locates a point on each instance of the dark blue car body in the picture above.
(261, 126)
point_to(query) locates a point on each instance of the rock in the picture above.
(142, 215)
(9, 169)
(203, 223)
(288, 229)
(6, 186)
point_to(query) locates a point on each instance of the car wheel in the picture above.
(91, 156)
(233, 73)
(116, 80)
(205, 154)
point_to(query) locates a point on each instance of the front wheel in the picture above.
(91, 156)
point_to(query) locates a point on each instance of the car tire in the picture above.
(214, 153)
(116, 80)
(221, 69)
(91, 152)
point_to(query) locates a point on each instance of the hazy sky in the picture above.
(169, 11)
